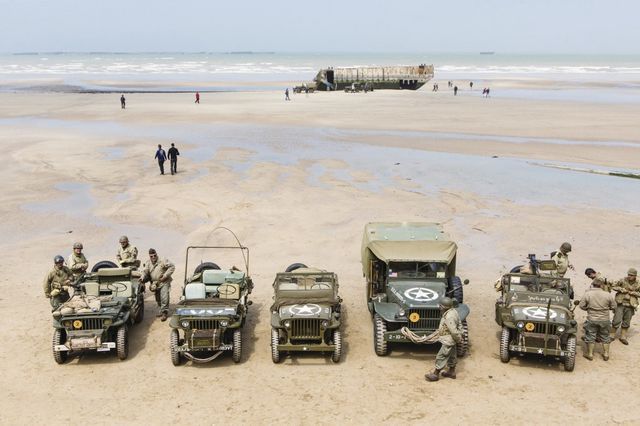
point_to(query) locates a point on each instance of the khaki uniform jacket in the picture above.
(128, 254)
(77, 264)
(598, 303)
(562, 261)
(450, 328)
(56, 278)
(627, 293)
(158, 273)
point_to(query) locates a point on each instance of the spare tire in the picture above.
(295, 266)
(204, 266)
(516, 269)
(103, 264)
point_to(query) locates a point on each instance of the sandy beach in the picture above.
(297, 181)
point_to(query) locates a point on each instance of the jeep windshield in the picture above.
(413, 270)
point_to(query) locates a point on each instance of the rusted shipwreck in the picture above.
(392, 77)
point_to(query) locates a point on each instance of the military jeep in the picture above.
(305, 315)
(97, 318)
(209, 317)
(409, 268)
(536, 313)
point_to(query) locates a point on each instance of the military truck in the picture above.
(536, 313)
(409, 267)
(305, 315)
(212, 311)
(104, 305)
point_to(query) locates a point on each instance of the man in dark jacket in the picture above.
(173, 158)
(161, 156)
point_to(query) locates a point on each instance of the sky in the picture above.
(411, 26)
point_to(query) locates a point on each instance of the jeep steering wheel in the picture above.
(320, 286)
(227, 290)
(117, 287)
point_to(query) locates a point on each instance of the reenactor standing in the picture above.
(561, 258)
(627, 292)
(592, 275)
(598, 303)
(127, 254)
(450, 333)
(57, 282)
(77, 262)
(159, 273)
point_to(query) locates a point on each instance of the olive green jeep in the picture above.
(305, 315)
(104, 305)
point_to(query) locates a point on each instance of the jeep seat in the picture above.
(194, 291)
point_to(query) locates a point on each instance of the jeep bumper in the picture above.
(310, 347)
(397, 336)
(85, 343)
(538, 350)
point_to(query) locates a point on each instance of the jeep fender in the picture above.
(387, 311)
(463, 311)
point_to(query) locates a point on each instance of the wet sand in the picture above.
(297, 181)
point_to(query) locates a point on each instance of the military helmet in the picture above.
(446, 302)
(58, 259)
(77, 245)
(632, 271)
(565, 247)
(124, 239)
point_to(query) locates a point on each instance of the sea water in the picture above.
(613, 77)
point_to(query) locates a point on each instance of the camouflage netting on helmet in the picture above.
(300, 301)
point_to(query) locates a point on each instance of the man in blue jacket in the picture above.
(161, 156)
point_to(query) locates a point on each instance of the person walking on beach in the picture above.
(197, 98)
(471, 85)
(286, 94)
(455, 90)
(173, 158)
(123, 102)
(161, 156)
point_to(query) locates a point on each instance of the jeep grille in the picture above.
(429, 319)
(204, 324)
(92, 324)
(305, 328)
(540, 326)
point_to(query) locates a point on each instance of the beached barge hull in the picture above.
(396, 77)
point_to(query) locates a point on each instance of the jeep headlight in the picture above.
(520, 324)
(561, 329)
(224, 323)
(184, 324)
(287, 324)
(325, 323)
(401, 312)
(67, 323)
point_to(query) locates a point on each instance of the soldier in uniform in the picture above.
(57, 282)
(77, 262)
(159, 273)
(597, 327)
(450, 331)
(127, 254)
(592, 274)
(561, 258)
(627, 294)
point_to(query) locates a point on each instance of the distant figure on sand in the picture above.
(485, 92)
(197, 99)
(123, 101)
(286, 94)
(161, 156)
(455, 90)
(173, 158)
(471, 85)
(450, 83)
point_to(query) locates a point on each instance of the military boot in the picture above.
(605, 353)
(613, 333)
(434, 376)
(450, 373)
(588, 353)
(623, 336)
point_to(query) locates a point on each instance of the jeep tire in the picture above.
(505, 339)
(337, 351)
(174, 341)
(237, 345)
(59, 336)
(569, 360)
(275, 341)
(380, 345)
(122, 342)
(463, 347)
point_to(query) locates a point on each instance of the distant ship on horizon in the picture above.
(489, 52)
